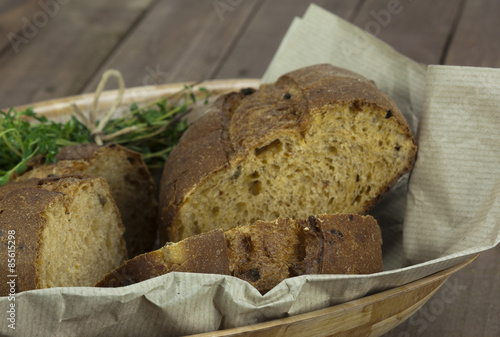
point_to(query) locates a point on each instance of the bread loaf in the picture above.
(128, 177)
(319, 140)
(266, 253)
(65, 231)
(203, 253)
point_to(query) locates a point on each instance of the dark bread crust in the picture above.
(265, 253)
(203, 150)
(15, 185)
(87, 153)
(84, 152)
(239, 123)
(20, 210)
(309, 89)
(138, 209)
(340, 244)
(204, 253)
(352, 244)
(37, 182)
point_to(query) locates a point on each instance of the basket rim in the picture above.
(434, 281)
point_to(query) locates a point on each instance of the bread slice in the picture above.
(266, 253)
(66, 231)
(204, 253)
(128, 177)
(319, 140)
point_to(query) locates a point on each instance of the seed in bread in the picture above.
(319, 140)
(68, 232)
(265, 253)
(128, 177)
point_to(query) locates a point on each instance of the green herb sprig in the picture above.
(153, 130)
(21, 139)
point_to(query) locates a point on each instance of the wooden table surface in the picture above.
(56, 48)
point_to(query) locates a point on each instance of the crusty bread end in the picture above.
(265, 253)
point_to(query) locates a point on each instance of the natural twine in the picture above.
(96, 127)
(91, 122)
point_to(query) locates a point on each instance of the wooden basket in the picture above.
(60, 109)
(369, 316)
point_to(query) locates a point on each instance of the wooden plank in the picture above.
(64, 49)
(12, 19)
(178, 41)
(253, 52)
(467, 305)
(476, 41)
(417, 29)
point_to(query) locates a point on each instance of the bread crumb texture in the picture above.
(83, 237)
(129, 180)
(320, 140)
(68, 231)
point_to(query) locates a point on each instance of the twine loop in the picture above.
(92, 123)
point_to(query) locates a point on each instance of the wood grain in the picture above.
(60, 109)
(477, 39)
(12, 16)
(417, 29)
(460, 308)
(178, 41)
(64, 50)
(255, 48)
(369, 316)
(159, 41)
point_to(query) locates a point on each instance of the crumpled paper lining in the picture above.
(452, 209)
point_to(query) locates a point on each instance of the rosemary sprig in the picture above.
(152, 130)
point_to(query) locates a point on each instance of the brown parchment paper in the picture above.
(449, 212)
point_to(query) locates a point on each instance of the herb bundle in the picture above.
(21, 139)
(152, 130)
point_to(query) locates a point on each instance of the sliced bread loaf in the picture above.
(128, 177)
(266, 253)
(319, 140)
(203, 253)
(65, 231)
